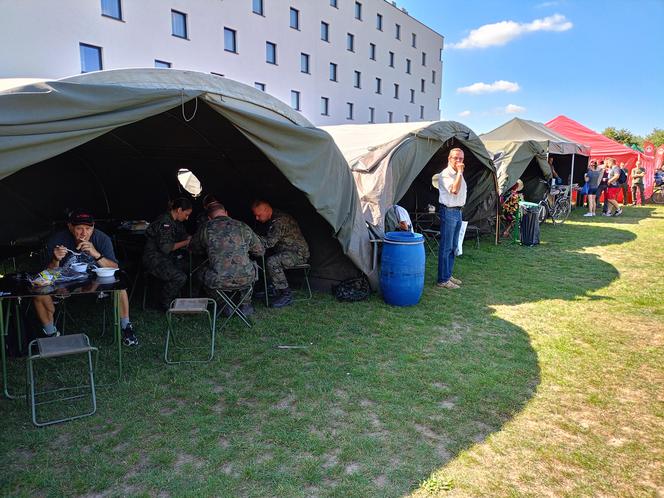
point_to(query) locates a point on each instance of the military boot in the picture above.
(285, 298)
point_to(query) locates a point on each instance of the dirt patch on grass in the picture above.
(447, 404)
(352, 468)
(380, 481)
(286, 403)
(187, 459)
(229, 470)
(330, 459)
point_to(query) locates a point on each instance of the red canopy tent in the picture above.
(602, 147)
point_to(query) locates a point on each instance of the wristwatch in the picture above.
(100, 256)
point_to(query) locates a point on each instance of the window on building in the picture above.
(295, 99)
(333, 3)
(379, 85)
(412, 95)
(433, 77)
(406, 118)
(422, 85)
(391, 59)
(421, 112)
(230, 40)
(372, 113)
(379, 22)
(259, 86)
(413, 40)
(270, 53)
(162, 64)
(390, 116)
(372, 51)
(396, 90)
(111, 8)
(90, 58)
(350, 42)
(333, 71)
(294, 18)
(397, 31)
(357, 79)
(304, 63)
(358, 11)
(407, 66)
(424, 59)
(257, 7)
(324, 106)
(178, 24)
(349, 110)
(324, 31)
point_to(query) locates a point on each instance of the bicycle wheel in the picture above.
(561, 211)
(658, 196)
(543, 212)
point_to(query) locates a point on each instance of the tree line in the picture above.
(626, 137)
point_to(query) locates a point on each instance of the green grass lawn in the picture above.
(542, 376)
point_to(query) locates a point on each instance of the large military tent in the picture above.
(570, 157)
(525, 161)
(114, 142)
(394, 163)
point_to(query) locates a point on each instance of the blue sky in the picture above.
(598, 62)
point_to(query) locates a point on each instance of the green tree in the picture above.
(656, 137)
(623, 136)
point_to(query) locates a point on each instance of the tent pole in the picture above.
(495, 184)
(571, 182)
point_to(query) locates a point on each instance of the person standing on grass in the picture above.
(593, 178)
(614, 187)
(452, 197)
(637, 182)
(603, 186)
(623, 184)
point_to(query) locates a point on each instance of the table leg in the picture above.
(118, 330)
(4, 328)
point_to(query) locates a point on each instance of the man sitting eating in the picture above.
(93, 247)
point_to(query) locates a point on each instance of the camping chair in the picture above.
(431, 239)
(306, 269)
(376, 237)
(232, 300)
(473, 231)
(55, 347)
(189, 306)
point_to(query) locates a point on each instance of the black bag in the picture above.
(353, 289)
(623, 176)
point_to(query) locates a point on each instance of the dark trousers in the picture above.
(639, 187)
(603, 187)
(625, 192)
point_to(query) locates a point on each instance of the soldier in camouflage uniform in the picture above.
(290, 248)
(228, 244)
(164, 255)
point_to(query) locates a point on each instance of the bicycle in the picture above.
(658, 194)
(561, 207)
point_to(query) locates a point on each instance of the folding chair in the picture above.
(229, 298)
(474, 231)
(431, 239)
(55, 347)
(188, 306)
(306, 268)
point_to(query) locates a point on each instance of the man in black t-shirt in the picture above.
(95, 247)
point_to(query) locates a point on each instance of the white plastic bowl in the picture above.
(79, 267)
(105, 272)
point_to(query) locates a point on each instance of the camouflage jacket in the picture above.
(228, 244)
(161, 235)
(284, 234)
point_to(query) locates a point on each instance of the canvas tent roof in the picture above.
(76, 141)
(521, 130)
(525, 161)
(390, 161)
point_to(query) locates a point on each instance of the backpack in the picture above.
(353, 289)
(623, 176)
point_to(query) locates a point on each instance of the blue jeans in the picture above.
(450, 224)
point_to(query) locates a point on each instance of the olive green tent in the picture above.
(114, 141)
(394, 163)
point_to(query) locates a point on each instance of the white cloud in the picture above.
(546, 4)
(464, 114)
(503, 32)
(496, 86)
(514, 109)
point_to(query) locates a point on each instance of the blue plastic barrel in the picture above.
(402, 268)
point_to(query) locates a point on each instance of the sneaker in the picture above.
(447, 285)
(285, 299)
(588, 214)
(607, 214)
(128, 336)
(455, 280)
(618, 213)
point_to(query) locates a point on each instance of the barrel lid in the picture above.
(528, 204)
(404, 237)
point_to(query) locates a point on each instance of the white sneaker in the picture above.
(588, 214)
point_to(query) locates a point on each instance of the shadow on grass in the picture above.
(370, 402)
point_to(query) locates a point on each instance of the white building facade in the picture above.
(336, 61)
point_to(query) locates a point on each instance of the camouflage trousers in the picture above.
(276, 264)
(172, 276)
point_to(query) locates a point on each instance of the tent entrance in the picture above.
(131, 172)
